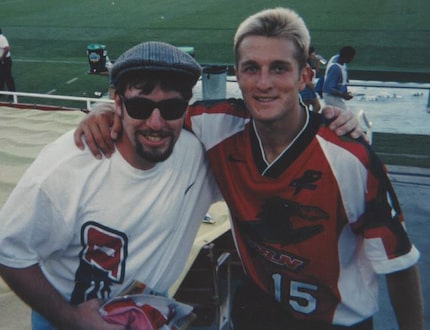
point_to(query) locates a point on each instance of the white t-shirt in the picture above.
(3, 44)
(104, 223)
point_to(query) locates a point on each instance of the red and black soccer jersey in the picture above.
(316, 226)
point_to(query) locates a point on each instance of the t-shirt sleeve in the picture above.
(32, 227)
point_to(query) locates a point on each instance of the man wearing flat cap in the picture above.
(91, 228)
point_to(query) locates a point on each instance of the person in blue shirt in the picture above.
(335, 88)
(308, 94)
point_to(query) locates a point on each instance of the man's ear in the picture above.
(119, 107)
(235, 72)
(305, 77)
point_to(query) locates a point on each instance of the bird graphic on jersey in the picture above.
(274, 225)
(307, 181)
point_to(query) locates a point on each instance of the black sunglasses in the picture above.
(141, 108)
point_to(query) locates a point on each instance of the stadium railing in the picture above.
(384, 84)
(89, 101)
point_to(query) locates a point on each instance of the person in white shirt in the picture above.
(77, 231)
(6, 78)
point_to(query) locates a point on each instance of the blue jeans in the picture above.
(39, 323)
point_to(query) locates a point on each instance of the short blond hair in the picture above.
(276, 23)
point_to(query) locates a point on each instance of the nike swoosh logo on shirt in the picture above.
(188, 189)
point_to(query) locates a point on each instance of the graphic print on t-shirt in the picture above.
(101, 262)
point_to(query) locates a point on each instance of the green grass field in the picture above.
(49, 38)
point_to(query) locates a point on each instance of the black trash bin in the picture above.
(214, 82)
(97, 58)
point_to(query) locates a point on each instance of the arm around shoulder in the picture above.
(344, 122)
(100, 128)
(406, 298)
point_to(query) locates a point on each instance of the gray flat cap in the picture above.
(155, 56)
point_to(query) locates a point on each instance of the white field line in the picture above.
(72, 80)
(36, 60)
